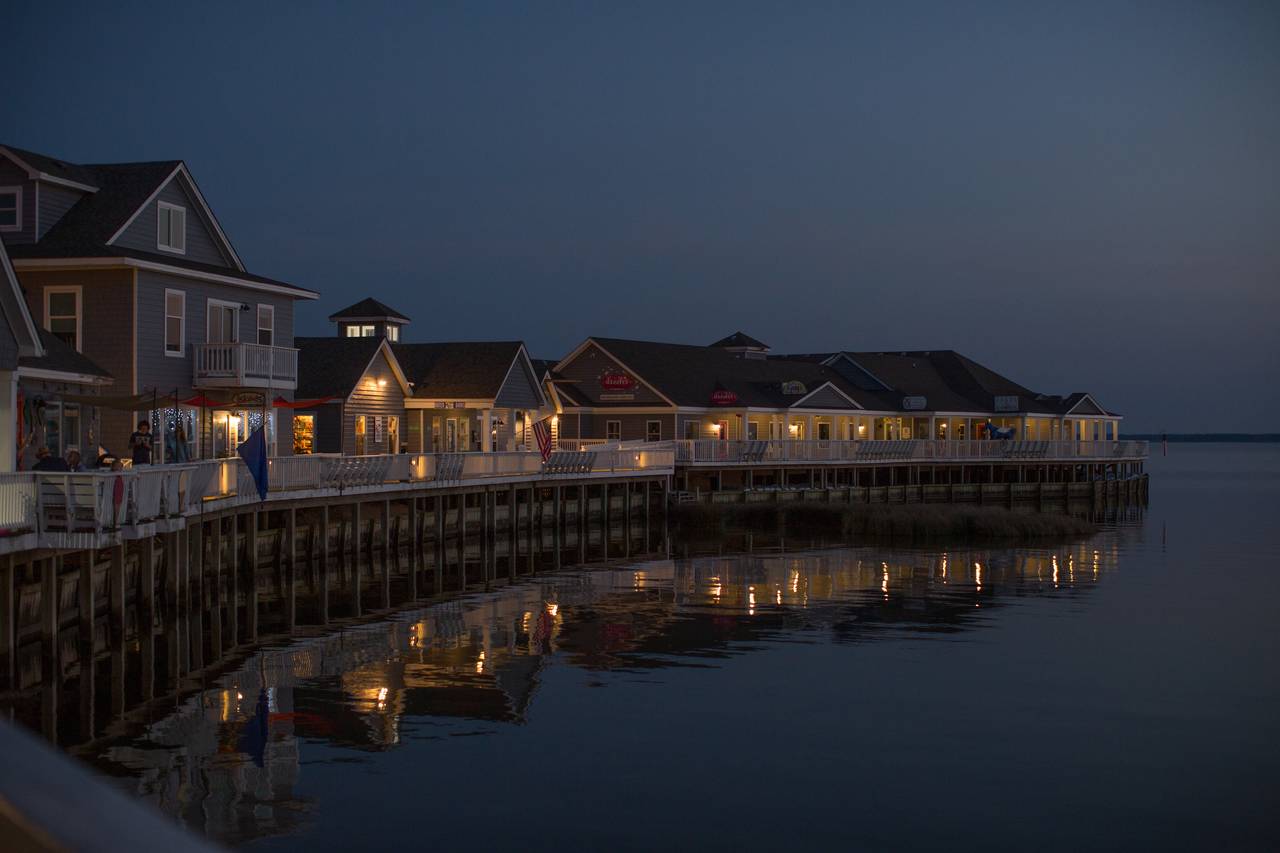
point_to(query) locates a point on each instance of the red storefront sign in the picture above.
(616, 382)
(723, 397)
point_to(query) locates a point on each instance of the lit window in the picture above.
(613, 430)
(171, 228)
(360, 435)
(10, 208)
(175, 322)
(62, 314)
(393, 333)
(359, 331)
(266, 324)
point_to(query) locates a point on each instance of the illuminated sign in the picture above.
(723, 397)
(610, 381)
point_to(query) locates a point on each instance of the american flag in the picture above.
(542, 432)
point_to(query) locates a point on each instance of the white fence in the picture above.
(921, 451)
(256, 363)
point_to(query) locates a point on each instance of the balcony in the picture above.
(237, 365)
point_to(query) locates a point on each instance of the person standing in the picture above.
(140, 444)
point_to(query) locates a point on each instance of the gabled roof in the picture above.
(115, 194)
(690, 375)
(331, 366)
(369, 309)
(45, 168)
(461, 370)
(740, 340)
(61, 357)
(13, 304)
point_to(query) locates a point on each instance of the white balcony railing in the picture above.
(251, 365)
(921, 451)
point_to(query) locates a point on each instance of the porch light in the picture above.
(555, 419)
(382, 383)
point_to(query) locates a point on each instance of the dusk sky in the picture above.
(1083, 196)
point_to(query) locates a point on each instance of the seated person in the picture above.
(45, 461)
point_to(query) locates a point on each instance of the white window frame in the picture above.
(208, 315)
(393, 333)
(271, 310)
(182, 328)
(647, 425)
(79, 292)
(17, 191)
(161, 239)
(608, 427)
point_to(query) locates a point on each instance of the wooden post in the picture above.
(8, 621)
(386, 554)
(251, 591)
(626, 518)
(513, 531)
(51, 663)
(648, 500)
(415, 546)
(462, 540)
(147, 614)
(215, 594)
(584, 500)
(357, 578)
(291, 570)
(323, 592)
(88, 560)
(605, 512)
(438, 568)
(528, 534)
(557, 506)
(195, 564)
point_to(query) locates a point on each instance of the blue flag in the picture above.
(254, 454)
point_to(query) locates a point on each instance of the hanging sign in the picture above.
(1007, 403)
(723, 397)
(249, 399)
(611, 381)
(914, 404)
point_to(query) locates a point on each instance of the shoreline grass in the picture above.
(899, 523)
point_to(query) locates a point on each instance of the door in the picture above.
(223, 323)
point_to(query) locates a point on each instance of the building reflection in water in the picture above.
(227, 759)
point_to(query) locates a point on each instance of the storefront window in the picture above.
(393, 434)
(304, 434)
(360, 435)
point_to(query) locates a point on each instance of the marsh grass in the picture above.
(898, 523)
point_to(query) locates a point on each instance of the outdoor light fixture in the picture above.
(382, 383)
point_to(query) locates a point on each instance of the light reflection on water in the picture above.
(229, 760)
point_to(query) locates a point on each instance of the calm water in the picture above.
(1119, 693)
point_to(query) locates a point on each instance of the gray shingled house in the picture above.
(126, 264)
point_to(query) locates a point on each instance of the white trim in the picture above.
(182, 331)
(168, 269)
(384, 347)
(32, 346)
(884, 386)
(828, 384)
(78, 290)
(428, 403)
(351, 318)
(162, 243)
(50, 375)
(606, 429)
(211, 302)
(582, 346)
(204, 206)
(537, 385)
(37, 175)
(650, 422)
(17, 225)
(1101, 413)
(257, 323)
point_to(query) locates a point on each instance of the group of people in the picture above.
(140, 452)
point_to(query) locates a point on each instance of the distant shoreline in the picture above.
(1209, 437)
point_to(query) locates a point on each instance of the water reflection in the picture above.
(228, 758)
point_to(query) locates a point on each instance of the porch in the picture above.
(243, 365)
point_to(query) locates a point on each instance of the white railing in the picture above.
(18, 499)
(241, 364)
(710, 451)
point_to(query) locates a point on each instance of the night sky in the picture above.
(1085, 196)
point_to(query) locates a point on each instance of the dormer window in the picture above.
(10, 208)
(171, 229)
(393, 333)
(356, 331)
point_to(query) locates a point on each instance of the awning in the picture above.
(282, 403)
